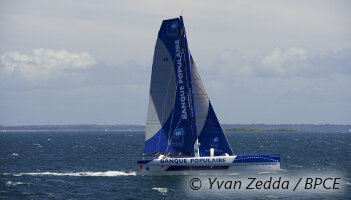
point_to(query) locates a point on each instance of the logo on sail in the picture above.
(214, 142)
(172, 29)
(178, 137)
(180, 76)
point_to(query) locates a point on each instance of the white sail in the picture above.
(201, 99)
(162, 90)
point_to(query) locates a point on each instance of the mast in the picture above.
(187, 54)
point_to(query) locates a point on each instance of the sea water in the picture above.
(102, 165)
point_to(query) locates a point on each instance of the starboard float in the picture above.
(183, 134)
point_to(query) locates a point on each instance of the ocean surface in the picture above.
(102, 165)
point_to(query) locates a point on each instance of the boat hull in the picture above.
(218, 165)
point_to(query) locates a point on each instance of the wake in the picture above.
(101, 174)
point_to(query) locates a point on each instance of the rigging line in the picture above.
(170, 139)
(159, 135)
(180, 119)
(190, 102)
(190, 84)
(165, 98)
(170, 124)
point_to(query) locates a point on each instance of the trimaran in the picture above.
(183, 134)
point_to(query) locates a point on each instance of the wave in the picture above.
(10, 183)
(106, 174)
(163, 191)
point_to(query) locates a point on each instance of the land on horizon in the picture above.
(226, 127)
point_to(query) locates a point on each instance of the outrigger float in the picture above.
(183, 134)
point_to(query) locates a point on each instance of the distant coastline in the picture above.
(226, 127)
(255, 129)
(72, 128)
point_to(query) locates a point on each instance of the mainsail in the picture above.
(179, 111)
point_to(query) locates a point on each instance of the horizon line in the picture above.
(122, 124)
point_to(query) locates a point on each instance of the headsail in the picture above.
(209, 131)
(179, 110)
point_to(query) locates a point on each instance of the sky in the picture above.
(89, 62)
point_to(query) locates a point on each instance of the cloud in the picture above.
(70, 75)
(43, 64)
(284, 62)
(284, 85)
(300, 62)
(290, 72)
(63, 87)
(64, 70)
